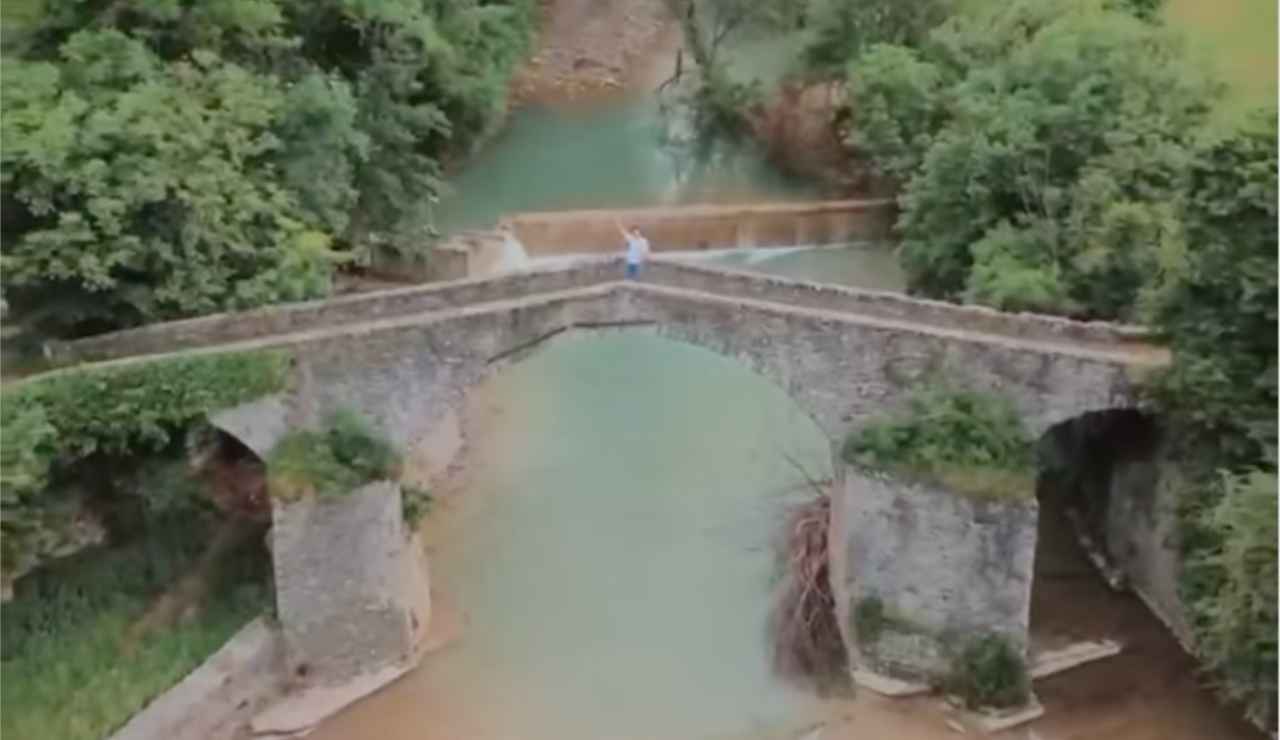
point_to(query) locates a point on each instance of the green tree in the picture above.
(1214, 297)
(843, 29)
(149, 185)
(1234, 609)
(900, 106)
(1041, 152)
(134, 193)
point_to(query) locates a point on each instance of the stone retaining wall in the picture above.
(941, 567)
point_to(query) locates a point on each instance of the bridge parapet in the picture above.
(229, 328)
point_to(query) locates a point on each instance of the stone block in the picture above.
(943, 567)
(351, 587)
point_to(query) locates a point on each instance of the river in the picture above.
(605, 560)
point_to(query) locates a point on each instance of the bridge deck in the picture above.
(593, 278)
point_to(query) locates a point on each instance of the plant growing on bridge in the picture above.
(334, 461)
(969, 442)
(989, 672)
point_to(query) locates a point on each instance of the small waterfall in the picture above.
(513, 257)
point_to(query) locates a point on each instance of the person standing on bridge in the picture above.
(637, 249)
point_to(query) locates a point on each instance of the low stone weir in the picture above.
(706, 226)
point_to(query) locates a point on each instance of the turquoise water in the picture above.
(866, 266)
(609, 556)
(612, 553)
(597, 157)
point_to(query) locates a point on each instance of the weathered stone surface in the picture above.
(944, 566)
(351, 590)
(259, 424)
(326, 314)
(406, 358)
(1142, 537)
(216, 699)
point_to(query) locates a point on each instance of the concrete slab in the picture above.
(1051, 662)
(217, 696)
(886, 686)
(992, 722)
(301, 712)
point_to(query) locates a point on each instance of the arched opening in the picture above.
(607, 549)
(1106, 571)
(1076, 580)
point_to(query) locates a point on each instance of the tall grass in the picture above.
(68, 668)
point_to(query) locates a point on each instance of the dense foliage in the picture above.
(971, 442)
(1065, 157)
(1214, 294)
(166, 159)
(1041, 149)
(842, 29)
(1234, 609)
(989, 672)
(333, 461)
(57, 420)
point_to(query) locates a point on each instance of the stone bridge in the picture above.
(349, 591)
(406, 357)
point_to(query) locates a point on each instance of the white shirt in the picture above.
(637, 248)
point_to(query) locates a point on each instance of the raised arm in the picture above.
(620, 229)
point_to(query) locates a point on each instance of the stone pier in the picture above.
(919, 570)
(351, 585)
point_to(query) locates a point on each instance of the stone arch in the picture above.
(443, 434)
(405, 373)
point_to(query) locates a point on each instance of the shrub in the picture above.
(415, 503)
(123, 407)
(70, 670)
(55, 421)
(333, 462)
(973, 443)
(1233, 598)
(1042, 147)
(869, 619)
(843, 28)
(989, 672)
(148, 189)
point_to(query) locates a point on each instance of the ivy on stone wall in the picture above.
(54, 421)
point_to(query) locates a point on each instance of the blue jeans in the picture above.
(633, 270)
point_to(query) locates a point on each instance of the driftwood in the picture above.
(803, 629)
